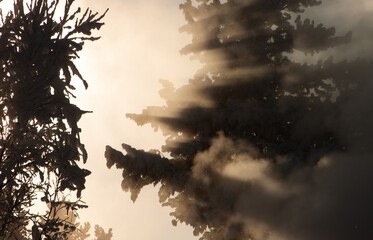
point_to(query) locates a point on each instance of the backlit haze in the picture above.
(140, 44)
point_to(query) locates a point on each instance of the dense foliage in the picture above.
(39, 134)
(251, 137)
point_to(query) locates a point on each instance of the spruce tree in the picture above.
(40, 145)
(251, 105)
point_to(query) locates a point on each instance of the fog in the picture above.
(140, 45)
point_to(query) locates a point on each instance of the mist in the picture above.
(312, 181)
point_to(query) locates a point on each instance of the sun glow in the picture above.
(6, 6)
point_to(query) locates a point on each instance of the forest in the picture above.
(270, 139)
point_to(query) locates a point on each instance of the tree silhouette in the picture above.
(255, 138)
(39, 136)
(81, 231)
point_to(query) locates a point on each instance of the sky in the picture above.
(140, 44)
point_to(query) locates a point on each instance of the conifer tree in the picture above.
(40, 145)
(248, 135)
